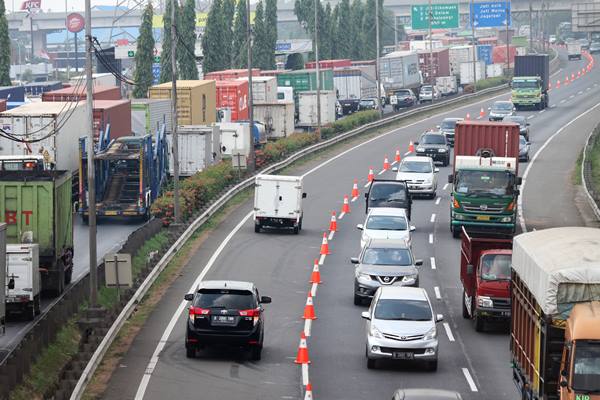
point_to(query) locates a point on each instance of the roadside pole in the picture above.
(251, 164)
(431, 54)
(377, 62)
(318, 70)
(474, 48)
(176, 211)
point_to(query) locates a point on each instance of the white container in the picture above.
(400, 70)
(447, 85)
(416, 45)
(466, 72)
(278, 118)
(3, 280)
(307, 105)
(285, 93)
(264, 89)
(22, 265)
(147, 115)
(234, 137)
(458, 55)
(60, 125)
(353, 83)
(198, 148)
(278, 201)
(101, 79)
(494, 70)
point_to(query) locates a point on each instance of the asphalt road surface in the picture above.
(475, 364)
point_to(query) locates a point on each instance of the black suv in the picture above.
(434, 145)
(388, 193)
(225, 313)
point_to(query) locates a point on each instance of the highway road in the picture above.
(475, 364)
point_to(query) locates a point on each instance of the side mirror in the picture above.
(395, 169)
(412, 228)
(489, 108)
(519, 180)
(470, 269)
(354, 260)
(360, 227)
(437, 127)
(528, 143)
(365, 315)
(265, 300)
(439, 318)
(418, 263)
(436, 170)
(188, 297)
(11, 283)
(450, 178)
(416, 143)
(303, 195)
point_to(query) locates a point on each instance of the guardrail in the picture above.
(592, 192)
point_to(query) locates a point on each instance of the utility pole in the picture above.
(91, 173)
(395, 31)
(431, 54)
(67, 47)
(474, 48)
(530, 26)
(31, 31)
(252, 161)
(318, 69)
(379, 105)
(507, 41)
(174, 122)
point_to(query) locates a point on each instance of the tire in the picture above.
(371, 363)
(432, 365)
(455, 232)
(296, 229)
(479, 324)
(256, 228)
(358, 300)
(30, 311)
(68, 276)
(36, 305)
(300, 223)
(190, 352)
(256, 353)
(85, 219)
(433, 195)
(465, 311)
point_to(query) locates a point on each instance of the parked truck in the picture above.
(530, 81)
(36, 207)
(278, 202)
(23, 271)
(351, 85)
(555, 319)
(485, 177)
(485, 276)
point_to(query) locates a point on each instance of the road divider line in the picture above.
(331, 235)
(541, 112)
(531, 117)
(407, 153)
(571, 96)
(381, 172)
(470, 380)
(438, 295)
(354, 199)
(305, 374)
(341, 216)
(445, 186)
(367, 184)
(322, 259)
(432, 262)
(431, 238)
(437, 201)
(313, 289)
(432, 218)
(307, 327)
(562, 101)
(448, 332)
(580, 92)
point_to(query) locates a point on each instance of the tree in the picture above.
(4, 48)
(260, 51)
(144, 55)
(186, 42)
(240, 37)
(227, 34)
(344, 31)
(271, 25)
(211, 41)
(356, 33)
(368, 29)
(166, 72)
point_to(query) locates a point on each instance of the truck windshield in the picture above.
(387, 257)
(586, 366)
(484, 183)
(525, 85)
(416, 166)
(495, 267)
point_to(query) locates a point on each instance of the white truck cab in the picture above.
(278, 202)
(23, 274)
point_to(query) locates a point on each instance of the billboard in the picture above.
(491, 14)
(443, 16)
(585, 17)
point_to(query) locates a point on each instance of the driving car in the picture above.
(429, 93)
(522, 121)
(595, 47)
(367, 104)
(401, 326)
(501, 109)
(585, 44)
(419, 173)
(388, 193)
(425, 394)
(402, 98)
(434, 145)
(383, 262)
(523, 149)
(385, 223)
(447, 127)
(552, 39)
(226, 313)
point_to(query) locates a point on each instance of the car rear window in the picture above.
(386, 223)
(388, 192)
(403, 310)
(433, 139)
(225, 298)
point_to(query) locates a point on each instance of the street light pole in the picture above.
(379, 105)
(474, 48)
(318, 69)
(431, 54)
(252, 160)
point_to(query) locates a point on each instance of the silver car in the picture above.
(420, 174)
(401, 326)
(501, 109)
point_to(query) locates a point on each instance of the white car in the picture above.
(386, 223)
(429, 93)
(420, 175)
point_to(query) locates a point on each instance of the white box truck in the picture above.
(400, 70)
(264, 89)
(4, 283)
(198, 148)
(278, 118)
(278, 202)
(574, 50)
(98, 79)
(458, 55)
(447, 85)
(351, 85)
(22, 271)
(466, 72)
(236, 137)
(307, 108)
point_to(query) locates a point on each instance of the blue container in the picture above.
(484, 53)
(12, 93)
(37, 88)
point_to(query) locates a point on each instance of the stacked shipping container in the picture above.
(328, 64)
(148, 115)
(441, 63)
(117, 113)
(196, 100)
(229, 74)
(233, 95)
(78, 93)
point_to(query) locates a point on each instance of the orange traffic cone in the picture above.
(308, 392)
(583, 70)
(346, 206)
(333, 223)
(355, 193)
(397, 158)
(309, 308)
(386, 163)
(411, 147)
(481, 113)
(371, 175)
(468, 117)
(567, 80)
(324, 245)
(315, 277)
(302, 356)
(573, 77)
(558, 83)
(578, 74)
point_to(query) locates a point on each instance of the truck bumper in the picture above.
(276, 222)
(493, 314)
(526, 102)
(484, 226)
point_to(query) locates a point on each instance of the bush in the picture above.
(275, 151)
(491, 82)
(350, 122)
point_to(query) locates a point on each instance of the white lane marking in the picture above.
(469, 379)
(167, 332)
(393, 163)
(438, 295)
(432, 218)
(381, 172)
(354, 199)
(341, 215)
(432, 261)
(448, 332)
(445, 186)
(562, 101)
(552, 105)
(437, 201)
(595, 84)
(587, 89)
(313, 289)
(431, 238)
(305, 374)
(580, 92)
(571, 96)
(331, 233)
(541, 112)
(531, 117)
(322, 259)
(307, 327)
(533, 160)
(367, 184)
(407, 153)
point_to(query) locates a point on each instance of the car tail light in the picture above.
(198, 311)
(455, 204)
(511, 206)
(254, 312)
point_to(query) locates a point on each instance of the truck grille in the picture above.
(501, 303)
(489, 209)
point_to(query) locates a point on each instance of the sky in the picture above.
(59, 5)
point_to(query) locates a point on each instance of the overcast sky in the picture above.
(59, 5)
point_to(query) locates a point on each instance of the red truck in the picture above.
(485, 274)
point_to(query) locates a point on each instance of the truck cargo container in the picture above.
(574, 50)
(466, 72)
(328, 64)
(530, 81)
(78, 93)
(306, 79)
(59, 126)
(147, 115)
(447, 85)
(555, 318)
(499, 54)
(351, 85)
(278, 202)
(4, 282)
(307, 104)
(274, 72)
(12, 93)
(117, 113)
(441, 63)
(37, 88)
(230, 74)
(458, 55)
(400, 70)
(418, 45)
(494, 70)
(196, 100)
(485, 177)
(37, 208)
(492, 40)
(285, 94)
(22, 266)
(198, 148)
(98, 79)
(2, 105)
(235, 139)
(233, 95)
(277, 117)
(264, 89)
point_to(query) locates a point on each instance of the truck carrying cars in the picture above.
(485, 177)
(555, 327)
(530, 81)
(278, 202)
(22, 268)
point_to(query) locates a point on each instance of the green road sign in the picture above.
(443, 16)
(156, 59)
(131, 54)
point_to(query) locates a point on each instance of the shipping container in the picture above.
(307, 106)
(233, 95)
(59, 125)
(230, 74)
(98, 79)
(400, 70)
(499, 54)
(417, 45)
(277, 117)
(353, 83)
(198, 148)
(328, 64)
(492, 40)
(235, 139)
(14, 104)
(306, 79)
(274, 72)
(196, 100)
(117, 113)
(78, 93)
(451, 41)
(264, 89)
(441, 63)
(447, 85)
(148, 115)
(466, 72)
(37, 88)
(2, 105)
(484, 53)
(3, 280)
(494, 70)
(458, 55)
(12, 93)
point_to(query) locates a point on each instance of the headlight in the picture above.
(409, 279)
(375, 332)
(458, 216)
(420, 149)
(485, 301)
(427, 182)
(506, 219)
(432, 334)
(363, 276)
(441, 150)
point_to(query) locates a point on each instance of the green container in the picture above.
(306, 79)
(40, 202)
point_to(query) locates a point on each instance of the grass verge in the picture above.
(577, 172)
(594, 157)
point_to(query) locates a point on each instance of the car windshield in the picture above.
(586, 366)
(495, 183)
(516, 119)
(449, 124)
(225, 298)
(367, 102)
(426, 89)
(522, 141)
(403, 310)
(525, 84)
(390, 192)
(415, 166)
(495, 267)
(503, 106)
(402, 93)
(387, 257)
(386, 223)
(433, 139)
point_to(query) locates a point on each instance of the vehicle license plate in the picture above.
(403, 355)
(483, 218)
(223, 319)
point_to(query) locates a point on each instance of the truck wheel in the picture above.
(296, 229)
(36, 305)
(478, 324)
(371, 363)
(85, 219)
(257, 228)
(190, 352)
(30, 311)
(68, 276)
(455, 232)
(357, 300)
(300, 223)
(432, 365)
(465, 311)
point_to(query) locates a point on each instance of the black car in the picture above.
(447, 128)
(388, 193)
(367, 104)
(522, 121)
(434, 145)
(595, 47)
(403, 98)
(225, 313)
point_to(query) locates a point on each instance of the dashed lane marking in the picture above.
(580, 92)
(367, 184)
(469, 379)
(322, 259)
(431, 238)
(531, 117)
(331, 233)
(432, 261)
(342, 214)
(445, 186)
(407, 153)
(381, 172)
(438, 295)
(449, 332)
(432, 218)
(562, 101)
(354, 199)
(307, 327)
(437, 201)
(541, 112)
(305, 374)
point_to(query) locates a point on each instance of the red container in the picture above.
(441, 62)
(501, 137)
(2, 105)
(117, 113)
(230, 74)
(274, 72)
(234, 96)
(328, 64)
(70, 94)
(499, 54)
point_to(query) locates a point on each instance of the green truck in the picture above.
(36, 207)
(530, 82)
